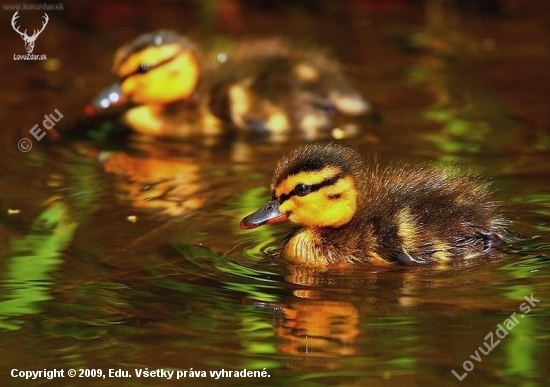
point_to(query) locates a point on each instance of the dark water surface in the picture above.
(95, 276)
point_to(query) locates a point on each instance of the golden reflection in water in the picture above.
(171, 186)
(318, 328)
(328, 316)
(313, 325)
(322, 318)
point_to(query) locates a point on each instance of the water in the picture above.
(137, 262)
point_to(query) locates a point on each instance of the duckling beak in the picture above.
(109, 97)
(268, 214)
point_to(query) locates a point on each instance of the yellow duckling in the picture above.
(350, 211)
(264, 86)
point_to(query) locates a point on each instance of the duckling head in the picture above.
(315, 186)
(156, 68)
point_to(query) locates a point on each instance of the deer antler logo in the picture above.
(29, 40)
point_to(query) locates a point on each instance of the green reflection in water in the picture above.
(543, 198)
(256, 337)
(407, 345)
(250, 282)
(35, 256)
(520, 344)
(417, 74)
(261, 238)
(520, 349)
(457, 134)
(217, 315)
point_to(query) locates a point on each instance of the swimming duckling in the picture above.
(264, 86)
(350, 211)
(158, 79)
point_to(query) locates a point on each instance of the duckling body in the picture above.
(264, 86)
(267, 86)
(350, 211)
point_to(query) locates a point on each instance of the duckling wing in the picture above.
(426, 215)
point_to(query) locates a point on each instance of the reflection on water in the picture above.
(128, 254)
(106, 295)
(35, 256)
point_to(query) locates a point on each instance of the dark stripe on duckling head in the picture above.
(140, 55)
(152, 39)
(315, 157)
(144, 67)
(304, 189)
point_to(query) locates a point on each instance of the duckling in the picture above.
(351, 212)
(159, 81)
(264, 87)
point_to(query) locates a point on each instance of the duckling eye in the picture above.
(302, 189)
(143, 68)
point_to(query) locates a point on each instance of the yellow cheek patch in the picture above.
(307, 177)
(289, 206)
(167, 83)
(331, 206)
